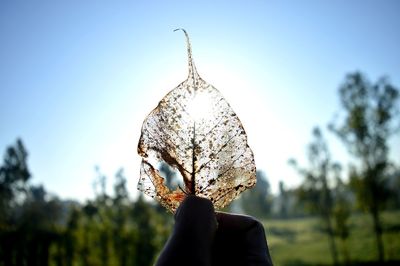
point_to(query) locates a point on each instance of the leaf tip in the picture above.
(192, 68)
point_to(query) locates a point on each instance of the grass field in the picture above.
(301, 242)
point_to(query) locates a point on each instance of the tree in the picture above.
(40, 215)
(169, 175)
(258, 201)
(394, 187)
(120, 219)
(14, 175)
(70, 239)
(342, 210)
(315, 190)
(283, 201)
(370, 118)
(29, 217)
(144, 216)
(89, 211)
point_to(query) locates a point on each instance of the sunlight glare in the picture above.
(200, 107)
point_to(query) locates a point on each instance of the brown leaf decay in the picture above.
(209, 150)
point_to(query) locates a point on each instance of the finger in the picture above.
(235, 222)
(193, 234)
(241, 239)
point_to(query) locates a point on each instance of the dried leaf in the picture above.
(195, 131)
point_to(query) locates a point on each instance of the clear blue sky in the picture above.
(77, 78)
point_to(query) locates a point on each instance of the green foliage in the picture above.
(299, 242)
(315, 191)
(14, 175)
(371, 116)
(284, 201)
(39, 229)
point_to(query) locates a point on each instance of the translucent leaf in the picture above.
(195, 131)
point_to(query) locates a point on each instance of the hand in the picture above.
(193, 234)
(240, 240)
(203, 237)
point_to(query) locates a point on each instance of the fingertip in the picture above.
(229, 221)
(194, 206)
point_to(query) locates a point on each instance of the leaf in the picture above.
(195, 131)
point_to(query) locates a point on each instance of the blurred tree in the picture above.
(101, 194)
(121, 239)
(396, 189)
(315, 191)
(393, 184)
(70, 236)
(121, 195)
(287, 204)
(342, 211)
(38, 229)
(25, 213)
(283, 201)
(89, 211)
(371, 116)
(145, 218)
(14, 175)
(103, 223)
(258, 201)
(104, 237)
(37, 226)
(169, 175)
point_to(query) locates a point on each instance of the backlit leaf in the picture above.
(195, 131)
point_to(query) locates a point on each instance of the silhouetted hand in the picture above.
(240, 240)
(203, 237)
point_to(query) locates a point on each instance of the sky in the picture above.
(77, 78)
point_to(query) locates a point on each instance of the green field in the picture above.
(301, 242)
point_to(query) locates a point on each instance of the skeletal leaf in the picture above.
(195, 131)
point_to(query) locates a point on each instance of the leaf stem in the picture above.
(192, 67)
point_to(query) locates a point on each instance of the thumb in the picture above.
(191, 240)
